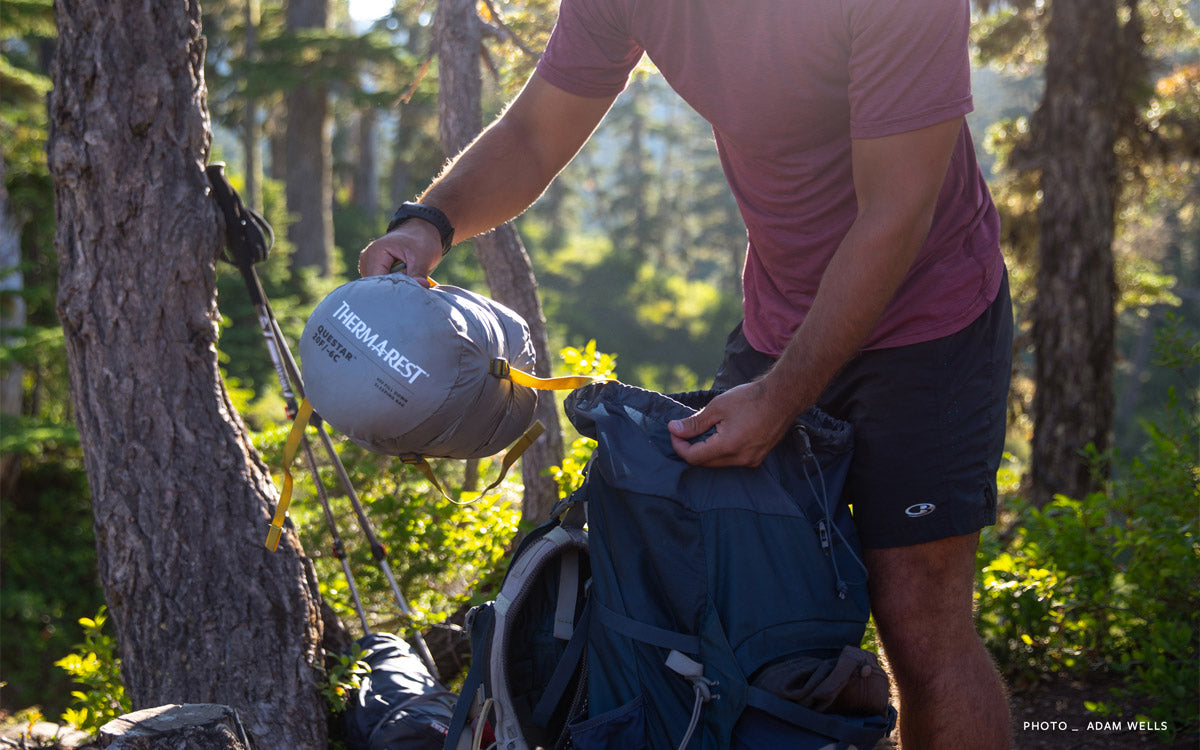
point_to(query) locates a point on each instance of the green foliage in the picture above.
(343, 674)
(48, 558)
(95, 666)
(28, 18)
(437, 549)
(670, 331)
(47, 564)
(1108, 583)
(589, 363)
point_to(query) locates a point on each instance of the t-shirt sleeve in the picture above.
(589, 53)
(909, 65)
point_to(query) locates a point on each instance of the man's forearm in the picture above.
(492, 181)
(857, 286)
(495, 178)
(897, 181)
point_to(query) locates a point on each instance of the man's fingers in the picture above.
(696, 454)
(712, 452)
(697, 424)
(375, 260)
(416, 244)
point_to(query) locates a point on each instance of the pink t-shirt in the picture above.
(786, 84)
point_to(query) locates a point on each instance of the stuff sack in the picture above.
(726, 605)
(527, 675)
(399, 705)
(408, 371)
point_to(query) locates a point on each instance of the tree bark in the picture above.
(309, 155)
(1073, 318)
(458, 40)
(202, 612)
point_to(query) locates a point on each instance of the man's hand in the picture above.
(748, 425)
(416, 243)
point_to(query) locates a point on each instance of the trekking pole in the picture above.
(250, 247)
(378, 550)
(273, 336)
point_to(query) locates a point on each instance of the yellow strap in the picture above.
(426, 470)
(510, 457)
(399, 266)
(502, 369)
(289, 454)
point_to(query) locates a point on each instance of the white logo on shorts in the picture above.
(920, 509)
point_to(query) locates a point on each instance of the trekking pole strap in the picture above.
(303, 414)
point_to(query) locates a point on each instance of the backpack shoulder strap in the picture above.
(482, 623)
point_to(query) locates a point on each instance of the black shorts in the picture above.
(929, 423)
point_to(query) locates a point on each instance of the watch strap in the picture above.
(432, 214)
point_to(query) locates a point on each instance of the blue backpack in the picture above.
(725, 607)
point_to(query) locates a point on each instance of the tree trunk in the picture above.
(251, 129)
(309, 155)
(203, 613)
(366, 177)
(506, 265)
(1073, 319)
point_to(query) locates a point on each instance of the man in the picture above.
(874, 285)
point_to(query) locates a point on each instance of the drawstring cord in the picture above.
(693, 671)
(827, 523)
(703, 695)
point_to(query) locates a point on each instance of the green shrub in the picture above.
(94, 665)
(589, 363)
(343, 676)
(1109, 583)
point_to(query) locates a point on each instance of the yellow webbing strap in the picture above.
(412, 459)
(502, 369)
(510, 457)
(399, 266)
(289, 454)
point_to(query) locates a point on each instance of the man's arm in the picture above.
(498, 176)
(897, 180)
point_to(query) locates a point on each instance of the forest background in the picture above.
(637, 250)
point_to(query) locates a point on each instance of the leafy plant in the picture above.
(589, 363)
(344, 674)
(96, 667)
(1108, 583)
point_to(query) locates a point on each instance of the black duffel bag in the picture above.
(400, 706)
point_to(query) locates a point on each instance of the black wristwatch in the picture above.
(431, 214)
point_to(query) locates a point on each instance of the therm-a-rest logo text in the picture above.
(405, 367)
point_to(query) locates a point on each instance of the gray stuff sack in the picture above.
(407, 371)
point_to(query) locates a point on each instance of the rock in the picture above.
(194, 726)
(44, 734)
